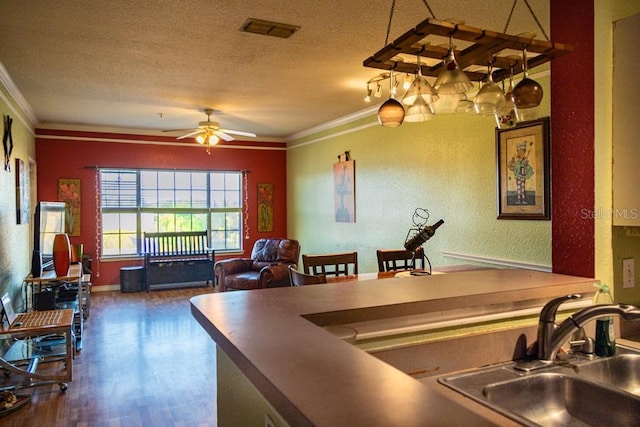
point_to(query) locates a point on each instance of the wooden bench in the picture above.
(177, 258)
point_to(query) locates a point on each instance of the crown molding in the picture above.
(130, 131)
(18, 99)
(334, 123)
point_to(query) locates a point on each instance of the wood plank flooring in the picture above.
(145, 361)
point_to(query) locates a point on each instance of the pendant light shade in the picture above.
(391, 113)
(452, 80)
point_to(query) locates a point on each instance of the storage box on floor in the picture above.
(132, 279)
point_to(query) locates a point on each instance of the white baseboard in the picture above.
(498, 261)
(105, 288)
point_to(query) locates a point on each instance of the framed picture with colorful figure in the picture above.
(523, 171)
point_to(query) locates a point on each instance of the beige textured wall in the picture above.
(446, 165)
(15, 240)
(611, 246)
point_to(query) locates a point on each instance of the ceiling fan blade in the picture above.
(176, 130)
(237, 132)
(223, 135)
(190, 134)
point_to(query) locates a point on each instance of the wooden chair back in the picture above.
(331, 264)
(399, 259)
(297, 278)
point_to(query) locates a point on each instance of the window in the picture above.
(137, 201)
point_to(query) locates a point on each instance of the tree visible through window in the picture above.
(137, 201)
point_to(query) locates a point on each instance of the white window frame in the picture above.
(171, 200)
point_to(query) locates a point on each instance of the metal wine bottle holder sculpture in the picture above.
(417, 236)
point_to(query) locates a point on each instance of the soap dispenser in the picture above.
(605, 334)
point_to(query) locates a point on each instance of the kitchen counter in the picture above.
(275, 337)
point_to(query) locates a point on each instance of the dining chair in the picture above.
(298, 278)
(400, 259)
(331, 264)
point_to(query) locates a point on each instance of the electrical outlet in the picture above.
(628, 273)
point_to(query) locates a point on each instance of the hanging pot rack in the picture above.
(479, 48)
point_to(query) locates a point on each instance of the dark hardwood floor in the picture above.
(145, 361)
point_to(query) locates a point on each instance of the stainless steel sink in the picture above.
(602, 391)
(555, 399)
(622, 371)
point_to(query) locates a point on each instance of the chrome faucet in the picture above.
(551, 336)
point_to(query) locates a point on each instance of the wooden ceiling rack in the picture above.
(502, 51)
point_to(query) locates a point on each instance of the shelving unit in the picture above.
(28, 346)
(78, 302)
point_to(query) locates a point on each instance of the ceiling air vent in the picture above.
(268, 28)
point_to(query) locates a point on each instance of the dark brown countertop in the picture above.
(313, 378)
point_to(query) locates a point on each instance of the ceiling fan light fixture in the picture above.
(213, 139)
(210, 133)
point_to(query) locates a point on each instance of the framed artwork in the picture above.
(7, 142)
(344, 195)
(523, 171)
(23, 210)
(69, 193)
(265, 207)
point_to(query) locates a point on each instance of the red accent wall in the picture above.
(73, 154)
(572, 139)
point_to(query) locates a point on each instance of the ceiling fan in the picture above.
(210, 132)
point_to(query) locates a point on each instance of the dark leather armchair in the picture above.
(268, 266)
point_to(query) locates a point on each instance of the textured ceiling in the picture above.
(155, 64)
